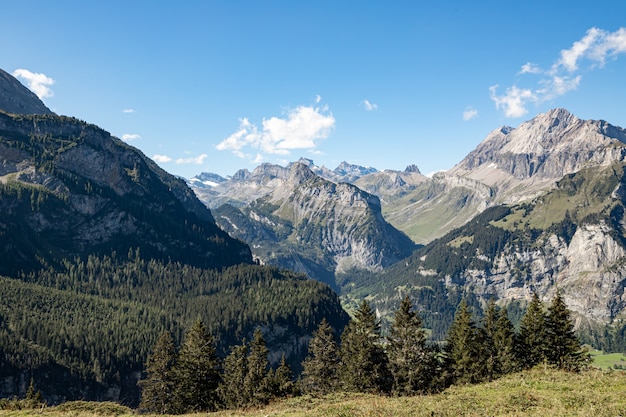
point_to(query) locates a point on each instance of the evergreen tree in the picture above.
(158, 389)
(319, 375)
(233, 380)
(198, 371)
(464, 348)
(280, 381)
(364, 366)
(532, 338)
(490, 353)
(34, 398)
(410, 361)
(255, 382)
(504, 343)
(563, 347)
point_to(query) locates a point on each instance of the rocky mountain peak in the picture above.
(300, 173)
(546, 147)
(16, 98)
(412, 168)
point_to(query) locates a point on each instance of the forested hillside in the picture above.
(91, 324)
(101, 251)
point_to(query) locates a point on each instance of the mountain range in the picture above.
(102, 250)
(532, 209)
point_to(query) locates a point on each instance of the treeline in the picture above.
(194, 379)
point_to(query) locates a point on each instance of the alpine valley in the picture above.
(102, 250)
(535, 208)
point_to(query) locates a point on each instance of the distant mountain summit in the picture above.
(539, 152)
(16, 98)
(294, 218)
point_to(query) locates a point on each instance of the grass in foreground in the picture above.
(540, 392)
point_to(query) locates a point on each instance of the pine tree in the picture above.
(504, 343)
(499, 347)
(319, 375)
(410, 361)
(34, 398)
(198, 371)
(490, 353)
(532, 338)
(255, 382)
(364, 365)
(563, 347)
(465, 348)
(158, 389)
(280, 381)
(233, 380)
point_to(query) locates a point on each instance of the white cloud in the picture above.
(127, 137)
(470, 113)
(514, 101)
(592, 51)
(128, 110)
(369, 106)
(197, 160)
(300, 128)
(161, 158)
(596, 46)
(318, 98)
(38, 83)
(530, 68)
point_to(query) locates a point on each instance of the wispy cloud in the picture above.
(129, 137)
(530, 68)
(128, 111)
(470, 113)
(161, 158)
(592, 51)
(299, 128)
(38, 83)
(369, 106)
(194, 160)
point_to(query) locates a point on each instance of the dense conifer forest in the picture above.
(93, 324)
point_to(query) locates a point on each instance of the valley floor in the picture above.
(539, 392)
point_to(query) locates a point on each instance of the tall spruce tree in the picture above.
(255, 383)
(280, 381)
(234, 377)
(490, 353)
(499, 349)
(319, 375)
(465, 348)
(504, 343)
(364, 366)
(411, 362)
(563, 347)
(158, 389)
(531, 342)
(198, 371)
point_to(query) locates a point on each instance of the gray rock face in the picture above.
(303, 221)
(547, 147)
(17, 99)
(70, 186)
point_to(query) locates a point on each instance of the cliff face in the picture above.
(70, 188)
(307, 223)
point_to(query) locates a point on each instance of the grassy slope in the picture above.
(539, 392)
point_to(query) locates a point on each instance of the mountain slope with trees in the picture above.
(102, 251)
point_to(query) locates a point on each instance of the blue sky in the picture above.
(221, 85)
